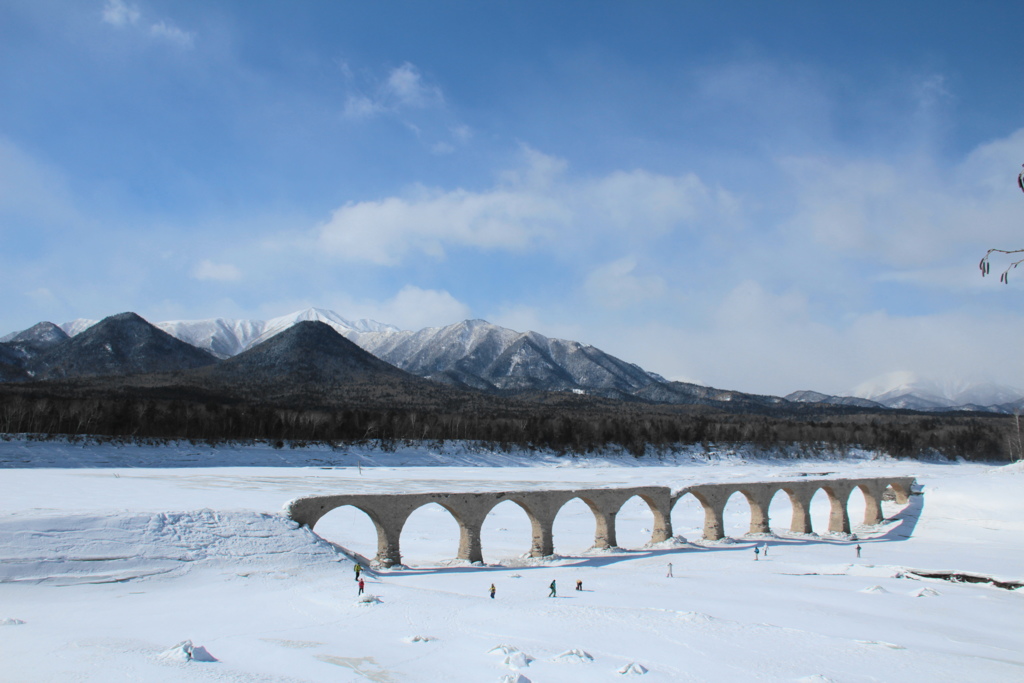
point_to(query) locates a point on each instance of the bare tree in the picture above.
(1004, 277)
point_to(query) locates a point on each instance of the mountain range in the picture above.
(472, 354)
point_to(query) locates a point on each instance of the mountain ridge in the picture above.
(478, 355)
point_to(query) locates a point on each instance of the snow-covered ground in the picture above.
(112, 557)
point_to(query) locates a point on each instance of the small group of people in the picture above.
(358, 569)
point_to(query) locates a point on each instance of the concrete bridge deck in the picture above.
(389, 512)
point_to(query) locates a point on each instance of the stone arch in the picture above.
(838, 493)
(584, 510)
(512, 537)
(637, 507)
(871, 494)
(427, 516)
(800, 498)
(735, 506)
(819, 510)
(352, 527)
(780, 506)
(758, 497)
(712, 498)
(687, 512)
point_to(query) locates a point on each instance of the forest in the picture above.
(559, 422)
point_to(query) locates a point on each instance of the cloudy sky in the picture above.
(763, 196)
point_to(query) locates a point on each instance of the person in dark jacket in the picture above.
(553, 590)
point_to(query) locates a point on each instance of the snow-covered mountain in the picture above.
(911, 391)
(226, 338)
(478, 354)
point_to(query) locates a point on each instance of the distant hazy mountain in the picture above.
(818, 397)
(910, 391)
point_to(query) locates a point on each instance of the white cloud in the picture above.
(361, 107)
(403, 88)
(120, 13)
(534, 205)
(616, 284)
(172, 34)
(413, 308)
(909, 213)
(385, 232)
(405, 85)
(222, 272)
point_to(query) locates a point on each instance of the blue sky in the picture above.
(758, 196)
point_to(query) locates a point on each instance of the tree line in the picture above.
(561, 425)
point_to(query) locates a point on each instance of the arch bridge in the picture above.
(389, 512)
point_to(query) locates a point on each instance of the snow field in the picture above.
(111, 573)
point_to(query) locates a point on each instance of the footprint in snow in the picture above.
(633, 669)
(575, 656)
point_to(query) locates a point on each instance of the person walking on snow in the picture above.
(669, 575)
(493, 589)
(858, 550)
(757, 553)
(361, 585)
(358, 570)
(579, 584)
(552, 593)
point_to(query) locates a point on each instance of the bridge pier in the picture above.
(872, 502)
(760, 499)
(800, 498)
(838, 497)
(712, 498)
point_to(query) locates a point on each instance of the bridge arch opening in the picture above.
(430, 536)
(856, 505)
(634, 523)
(506, 532)
(688, 517)
(736, 515)
(820, 510)
(351, 528)
(780, 512)
(574, 528)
